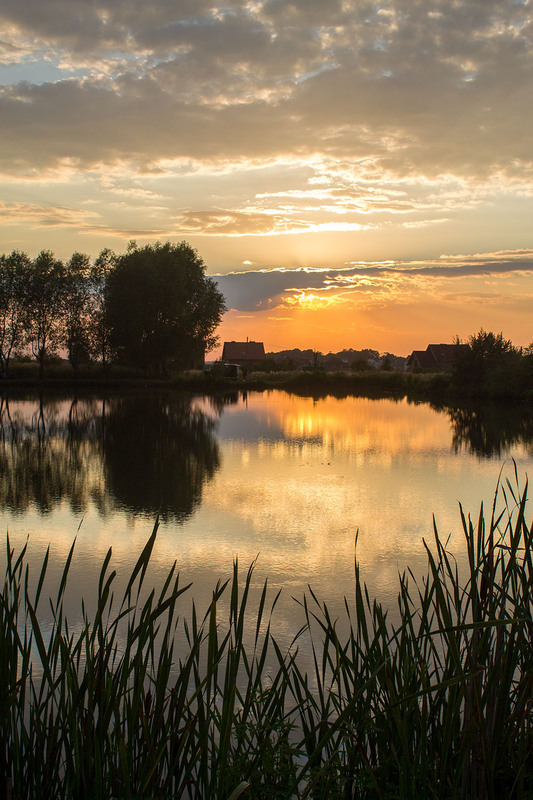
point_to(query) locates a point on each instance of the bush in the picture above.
(489, 366)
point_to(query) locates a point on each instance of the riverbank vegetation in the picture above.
(486, 367)
(436, 704)
(517, 384)
(151, 313)
(465, 383)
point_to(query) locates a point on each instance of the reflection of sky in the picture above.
(339, 466)
(298, 479)
(243, 424)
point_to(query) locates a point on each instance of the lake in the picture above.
(290, 481)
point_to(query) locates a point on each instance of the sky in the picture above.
(353, 174)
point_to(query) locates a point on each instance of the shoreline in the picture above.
(430, 387)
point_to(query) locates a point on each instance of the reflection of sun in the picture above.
(355, 425)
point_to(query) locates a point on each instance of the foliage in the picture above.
(487, 366)
(77, 310)
(437, 705)
(152, 307)
(14, 269)
(44, 298)
(100, 330)
(360, 365)
(162, 309)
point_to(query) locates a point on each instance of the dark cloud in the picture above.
(425, 88)
(250, 291)
(273, 117)
(261, 289)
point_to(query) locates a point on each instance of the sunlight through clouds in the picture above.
(314, 301)
(285, 134)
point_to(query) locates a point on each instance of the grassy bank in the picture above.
(437, 705)
(430, 386)
(362, 384)
(319, 384)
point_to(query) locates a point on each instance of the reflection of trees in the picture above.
(490, 430)
(146, 453)
(222, 400)
(158, 452)
(49, 451)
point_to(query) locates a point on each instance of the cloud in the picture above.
(276, 117)
(255, 290)
(48, 216)
(237, 223)
(420, 89)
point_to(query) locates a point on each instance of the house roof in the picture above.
(442, 353)
(422, 359)
(435, 355)
(243, 351)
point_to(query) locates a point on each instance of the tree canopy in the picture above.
(488, 365)
(45, 290)
(162, 309)
(14, 272)
(152, 307)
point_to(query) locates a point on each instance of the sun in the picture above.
(314, 302)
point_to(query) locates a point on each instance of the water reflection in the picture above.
(149, 454)
(152, 453)
(158, 453)
(218, 402)
(47, 453)
(490, 431)
(290, 478)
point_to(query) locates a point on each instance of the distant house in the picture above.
(435, 358)
(244, 353)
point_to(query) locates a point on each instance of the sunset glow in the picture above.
(354, 174)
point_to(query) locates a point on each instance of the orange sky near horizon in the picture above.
(401, 307)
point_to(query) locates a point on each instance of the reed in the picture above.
(435, 705)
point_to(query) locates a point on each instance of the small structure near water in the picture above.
(219, 369)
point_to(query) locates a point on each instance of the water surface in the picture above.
(290, 481)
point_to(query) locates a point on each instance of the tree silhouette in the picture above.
(100, 328)
(44, 297)
(14, 270)
(487, 366)
(161, 308)
(77, 309)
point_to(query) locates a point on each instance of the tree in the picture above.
(360, 365)
(44, 295)
(13, 270)
(487, 365)
(490, 348)
(161, 309)
(76, 309)
(100, 331)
